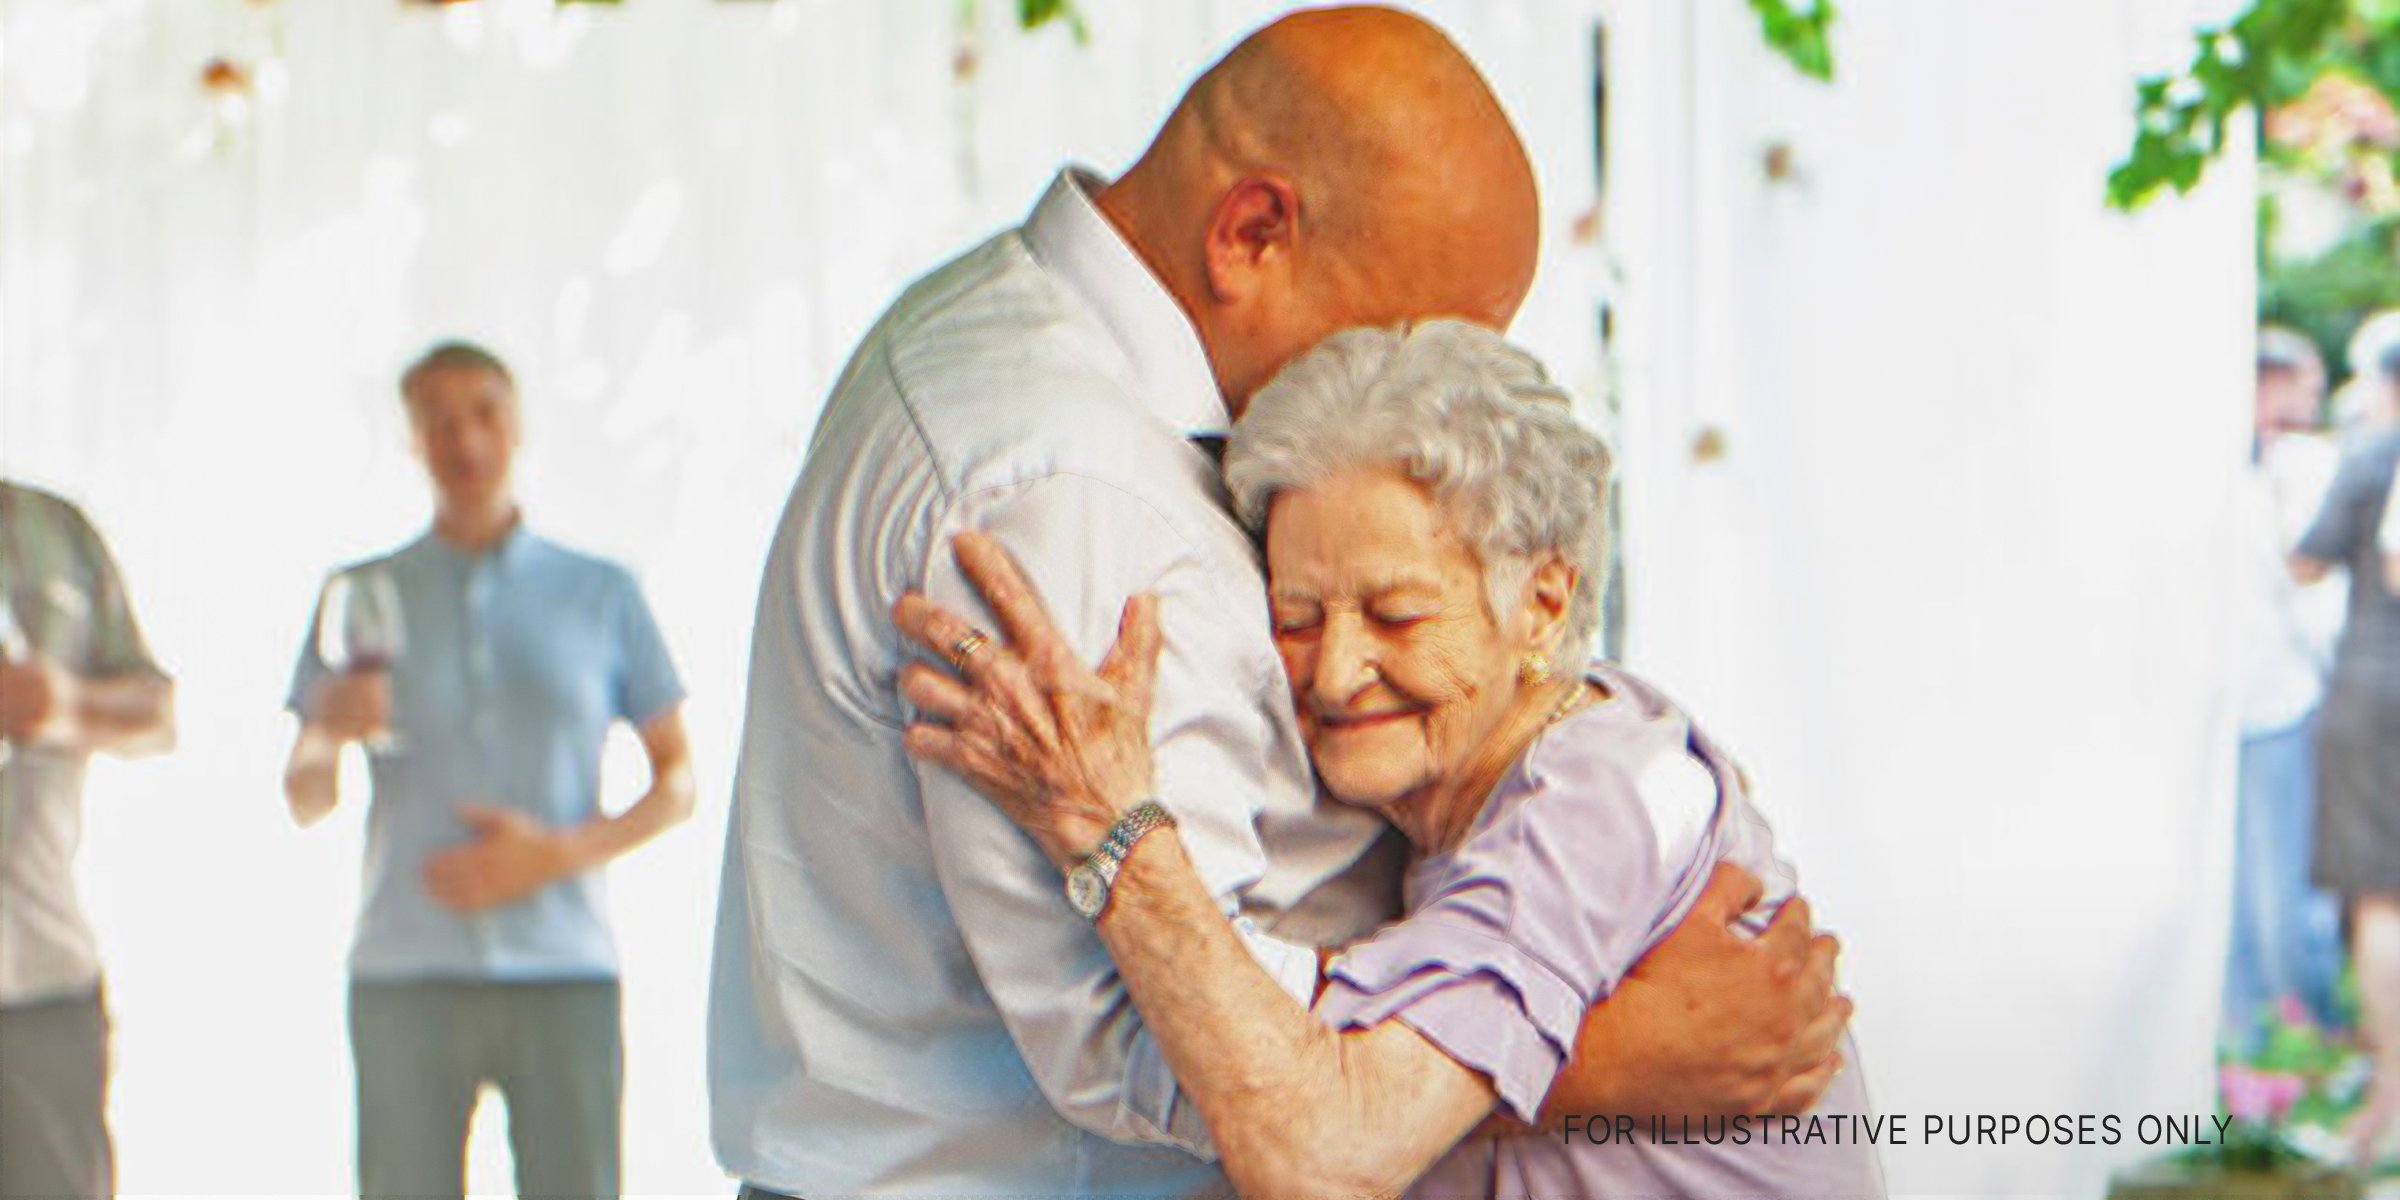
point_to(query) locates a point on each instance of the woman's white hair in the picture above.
(1459, 409)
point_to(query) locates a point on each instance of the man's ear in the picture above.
(1253, 228)
(1549, 601)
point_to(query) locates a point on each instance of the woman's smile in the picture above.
(1357, 722)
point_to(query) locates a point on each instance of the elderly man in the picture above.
(904, 1001)
(483, 956)
(75, 678)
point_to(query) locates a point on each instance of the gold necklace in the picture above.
(1575, 699)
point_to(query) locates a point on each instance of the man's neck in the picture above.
(1121, 205)
(476, 530)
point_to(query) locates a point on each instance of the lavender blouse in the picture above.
(1586, 855)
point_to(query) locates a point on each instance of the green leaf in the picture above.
(1033, 14)
(1801, 35)
(2269, 55)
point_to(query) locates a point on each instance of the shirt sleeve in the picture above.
(2343, 521)
(117, 647)
(1087, 546)
(1536, 916)
(647, 685)
(308, 670)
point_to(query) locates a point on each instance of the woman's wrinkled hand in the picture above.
(1062, 748)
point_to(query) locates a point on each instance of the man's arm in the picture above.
(334, 709)
(1713, 1022)
(2341, 527)
(514, 855)
(43, 703)
(117, 700)
(666, 804)
(1088, 546)
(1709, 1023)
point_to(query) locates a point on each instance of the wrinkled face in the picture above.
(465, 421)
(1398, 670)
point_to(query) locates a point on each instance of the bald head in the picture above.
(1341, 167)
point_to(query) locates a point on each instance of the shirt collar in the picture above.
(508, 552)
(1074, 241)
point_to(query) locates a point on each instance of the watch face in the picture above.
(1086, 890)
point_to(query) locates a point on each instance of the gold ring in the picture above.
(966, 646)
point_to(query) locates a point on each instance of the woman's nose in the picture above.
(1345, 660)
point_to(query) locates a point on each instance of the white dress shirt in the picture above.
(2289, 629)
(903, 1001)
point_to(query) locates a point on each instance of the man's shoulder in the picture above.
(994, 351)
(564, 561)
(39, 505)
(397, 557)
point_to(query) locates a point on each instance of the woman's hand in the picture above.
(1061, 748)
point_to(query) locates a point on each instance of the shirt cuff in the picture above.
(1292, 967)
(1158, 1113)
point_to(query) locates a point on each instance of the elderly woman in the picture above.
(1434, 538)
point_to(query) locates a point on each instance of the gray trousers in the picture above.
(555, 1052)
(53, 1089)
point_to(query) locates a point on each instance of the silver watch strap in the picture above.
(1128, 829)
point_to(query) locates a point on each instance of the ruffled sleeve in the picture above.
(1483, 1000)
(1570, 874)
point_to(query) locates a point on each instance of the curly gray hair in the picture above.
(1461, 410)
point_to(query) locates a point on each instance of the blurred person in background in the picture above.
(2358, 748)
(485, 698)
(75, 678)
(2368, 403)
(2286, 934)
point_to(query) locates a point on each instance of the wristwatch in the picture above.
(1089, 882)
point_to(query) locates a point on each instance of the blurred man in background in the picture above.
(484, 666)
(2358, 747)
(2286, 934)
(75, 678)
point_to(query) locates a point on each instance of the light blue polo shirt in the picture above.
(514, 664)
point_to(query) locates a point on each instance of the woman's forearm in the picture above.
(1292, 1106)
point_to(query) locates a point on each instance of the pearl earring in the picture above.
(1534, 668)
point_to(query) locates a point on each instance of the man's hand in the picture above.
(34, 692)
(353, 705)
(1712, 1022)
(512, 857)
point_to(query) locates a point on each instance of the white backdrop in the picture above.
(1956, 586)
(674, 216)
(1953, 590)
